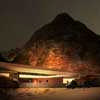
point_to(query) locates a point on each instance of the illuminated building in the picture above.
(26, 74)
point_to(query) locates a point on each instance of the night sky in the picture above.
(20, 18)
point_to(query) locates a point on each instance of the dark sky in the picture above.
(20, 18)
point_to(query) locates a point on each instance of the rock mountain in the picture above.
(63, 44)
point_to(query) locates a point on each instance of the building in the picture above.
(29, 76)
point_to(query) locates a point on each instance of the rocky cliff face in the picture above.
(63, 44)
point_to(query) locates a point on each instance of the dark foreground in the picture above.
(55, 94)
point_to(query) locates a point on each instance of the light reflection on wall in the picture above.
(39, 76)
(67, 80)
(4, 74)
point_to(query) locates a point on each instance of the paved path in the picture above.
(57, 94)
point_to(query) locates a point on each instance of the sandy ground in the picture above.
(56, 94)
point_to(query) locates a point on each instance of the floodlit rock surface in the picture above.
(63, 44)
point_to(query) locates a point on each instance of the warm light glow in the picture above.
(55, 60)
(67, 80)
(38, 76)
(4, 74)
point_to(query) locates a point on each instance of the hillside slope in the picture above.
(63, 44)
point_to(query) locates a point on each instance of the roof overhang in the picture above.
(29, 69)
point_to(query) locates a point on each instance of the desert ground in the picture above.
(56, 94)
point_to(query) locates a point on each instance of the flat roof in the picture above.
(30, 69)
